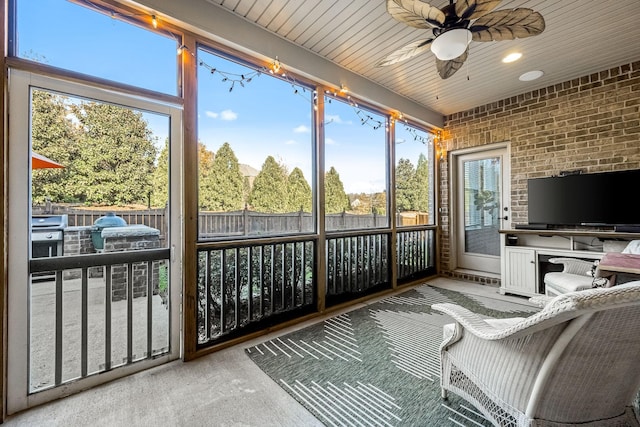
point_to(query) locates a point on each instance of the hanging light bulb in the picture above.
(154, 21)
(275, 66)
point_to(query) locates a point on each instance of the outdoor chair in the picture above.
(577, 275)
(574, 362)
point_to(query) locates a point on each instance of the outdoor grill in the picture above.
(47, 235)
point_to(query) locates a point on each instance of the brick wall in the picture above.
(590, 123)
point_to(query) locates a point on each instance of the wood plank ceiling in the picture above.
(581, 37)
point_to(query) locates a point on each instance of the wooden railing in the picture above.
(415, 253)
(357, 264)
(247, 283)
(252, 285)
(106, 332)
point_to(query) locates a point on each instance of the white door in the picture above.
(86, 306)
(482, 207)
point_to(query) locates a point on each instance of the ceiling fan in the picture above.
(454, 26)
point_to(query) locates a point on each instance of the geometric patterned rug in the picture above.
(377, 365)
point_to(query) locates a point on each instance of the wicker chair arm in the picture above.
(573, 265)
(475, 324)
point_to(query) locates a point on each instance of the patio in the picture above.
(43, 328)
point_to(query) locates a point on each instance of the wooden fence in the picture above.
(237, 223)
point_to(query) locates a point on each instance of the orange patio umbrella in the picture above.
(38, 161)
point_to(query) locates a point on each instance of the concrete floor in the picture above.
(222, 389)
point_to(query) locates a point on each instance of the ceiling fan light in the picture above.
(451, 44)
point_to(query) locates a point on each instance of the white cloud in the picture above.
(291, 142)
(301, 129)
(329, 141)
(335, 118)
(228, 115)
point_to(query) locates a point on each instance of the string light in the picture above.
(181, 49)
(232, 78)
(441, 148)
(275, 66)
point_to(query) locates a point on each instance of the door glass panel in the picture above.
(99, 186)
(482, 195)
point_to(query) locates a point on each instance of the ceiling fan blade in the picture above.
(447, 69)
(473, 9)
(507, 25)
(404, 53)
(415, 13)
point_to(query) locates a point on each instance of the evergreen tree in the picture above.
(116, 155)
(246, 189)
(269, 192)
(298, 192)
(422, 185)
(53, 136)
(379, 201)
(405, 186)
(160, 180)
(205, 186)
(225, 182)
(336, 200)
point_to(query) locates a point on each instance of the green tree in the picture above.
(224, 183)
(160, 179)
(421, 203)
(405, 186)
(53, 136)
(336, 200)
(298, 192)
(379, 203)
(269, 192)
(116, 155)
(205, 165)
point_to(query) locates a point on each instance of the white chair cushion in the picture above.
(632, 248)
(561, 283)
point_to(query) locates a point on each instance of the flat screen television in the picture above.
(595, 199)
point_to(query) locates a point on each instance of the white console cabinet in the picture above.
(519, 271)
(525, 254)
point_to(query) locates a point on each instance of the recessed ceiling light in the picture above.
(512, 57)
(531, 75)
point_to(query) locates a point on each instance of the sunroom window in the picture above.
(355, 166)
(255, 135)
(85, 38)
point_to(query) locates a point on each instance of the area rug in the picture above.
(377, 365)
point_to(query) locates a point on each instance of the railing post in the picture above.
(245, 225)
(300, 220)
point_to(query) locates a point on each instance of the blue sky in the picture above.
(265, 117)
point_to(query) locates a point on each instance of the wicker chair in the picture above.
(576, 275)
(577, 361)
